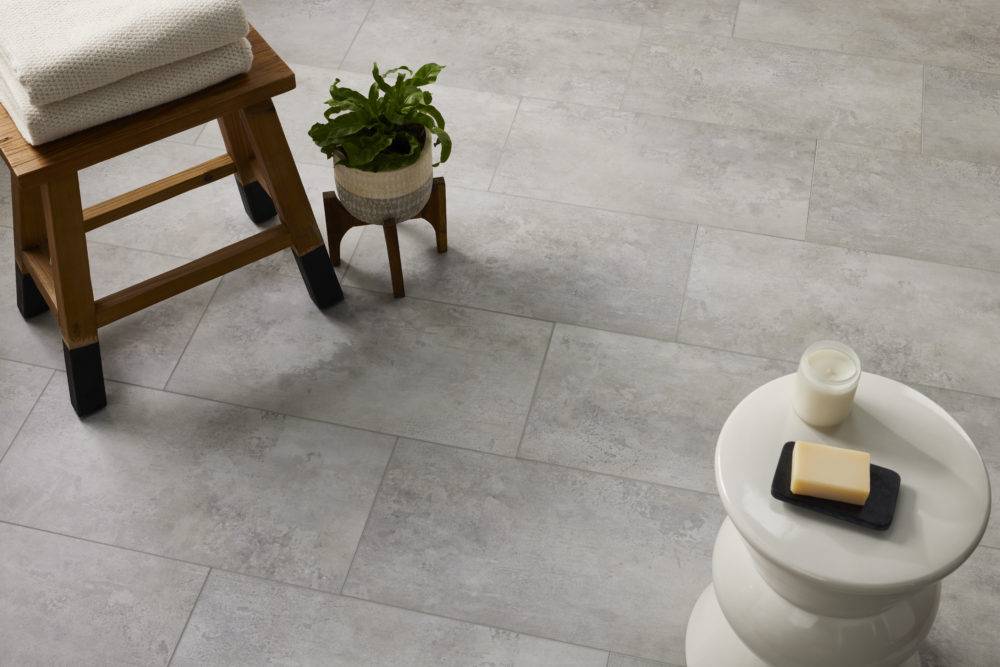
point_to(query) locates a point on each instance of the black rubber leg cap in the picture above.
(317, 272)
(29, 300)
(256, 202)
(86, 378)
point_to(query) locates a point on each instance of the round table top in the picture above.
(941, 512)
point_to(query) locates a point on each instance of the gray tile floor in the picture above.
(654, 206)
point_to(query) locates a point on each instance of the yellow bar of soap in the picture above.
(834, 473)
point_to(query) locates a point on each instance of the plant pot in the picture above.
(380, 197)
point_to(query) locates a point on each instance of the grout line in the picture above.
(506, 140)
(809, 199)
(368, 518)
(534, 392)
(563, 466)
(190, 614)
(687, 281)
(193, 331)
(27, 415)
(200, 132)
(356, 33)
(109, 545)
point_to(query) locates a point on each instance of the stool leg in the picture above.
(436, 213)
(74, 293)
(256, 202)
(395, 264)
(29, 233)
(275, 159)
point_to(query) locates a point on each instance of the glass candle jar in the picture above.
(826, 381)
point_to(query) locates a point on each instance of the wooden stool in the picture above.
(50, 225)
(339, 222)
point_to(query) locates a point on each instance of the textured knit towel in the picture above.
(56, 49)
(121, 98)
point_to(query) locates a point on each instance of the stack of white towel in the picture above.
(66, 65)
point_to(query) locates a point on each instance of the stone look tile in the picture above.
(538, 549)
(478, 123)
(69, 602)
(415, 368)
(20, 387)
(916, 321)
(140, 349)
(539, 259)
(501, 50)
(242, 621)
(961, 114)
(980, 417)
(638, 408)
(911, 205)
(706, 16)
(314, 32)
(229, 487)
(964, 634)
(777, 88)
(957, 34)
(661, 167)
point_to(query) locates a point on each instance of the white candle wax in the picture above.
(826, 382)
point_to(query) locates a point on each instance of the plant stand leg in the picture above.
(256, 202)
(271, 152)
(395, 264)
(436, 213)
(338, 223)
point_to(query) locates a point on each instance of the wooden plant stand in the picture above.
(50, 223)
(339, 222)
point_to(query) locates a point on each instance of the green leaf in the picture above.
(360, 149)
(427, 74)
(384, 129)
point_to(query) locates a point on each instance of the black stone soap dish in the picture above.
(876, 513)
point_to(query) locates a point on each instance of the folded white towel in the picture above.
(39, 124)
(56, 49)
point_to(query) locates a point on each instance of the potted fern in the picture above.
(382, 144)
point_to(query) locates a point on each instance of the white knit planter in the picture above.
(387, 196)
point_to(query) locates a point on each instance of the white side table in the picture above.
(792, 588)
